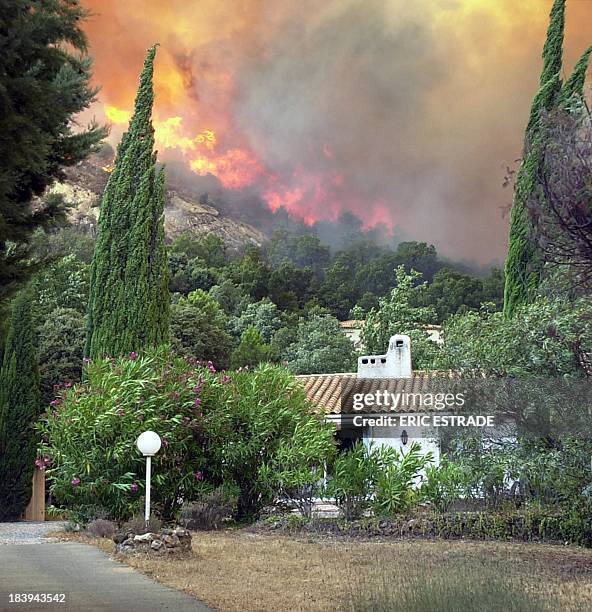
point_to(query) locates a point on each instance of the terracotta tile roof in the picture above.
(351, 324)
(325, 390)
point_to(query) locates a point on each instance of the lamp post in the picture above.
(148, 444)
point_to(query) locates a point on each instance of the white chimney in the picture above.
(395, 364)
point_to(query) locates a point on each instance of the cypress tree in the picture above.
(129, 302)
(19, 409)
(522, 266)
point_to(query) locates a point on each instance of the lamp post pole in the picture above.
(148, 444)
(148, 474)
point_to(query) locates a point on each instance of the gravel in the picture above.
(28, 532)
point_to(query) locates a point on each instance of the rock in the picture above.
(146, 537)
(171, 541)
(119, 537)
(156, 545)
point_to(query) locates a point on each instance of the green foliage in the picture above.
(239, 431)
(545, 338)
(444, 484)
(397, 314)
(64, 284)
(44, 83)
(298, 468)
(61, 347)
(263, 315)
(317, 346)
(397, 480)
(19, 409)
(353, 478)
(129, 299)
(524, 263)
(91, 430)
(198, 329)
(251, 350)
(260, 420)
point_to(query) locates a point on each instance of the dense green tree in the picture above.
(319, 347)
(198, 329)
(451, 291)
(338, 292)
(398, 313)
(548, 337)
(250, 273)
(61, 348)
(419, 256)
(19, 409)
(524, 264)
(64, 284)
(44, 83)
(290, 286)
(231, 298)
(129, 298)
(263, 315)
(251, 350)
(209, 248)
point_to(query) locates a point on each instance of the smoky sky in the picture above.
(404, 113)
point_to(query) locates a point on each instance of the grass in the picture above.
(243, 570)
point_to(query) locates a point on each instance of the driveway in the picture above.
(82, 576)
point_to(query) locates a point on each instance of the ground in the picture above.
(246, 570)
(89, 579)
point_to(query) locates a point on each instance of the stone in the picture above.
(145, 538)
(171, 541)
(156, 545)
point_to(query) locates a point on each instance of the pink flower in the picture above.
(75, 482)
(197, 402)
(120, 411)
(55, 402)
(226, 379)
(40, 464)
(198, 475)
(134, 488)
(133, 355)
(86, 360)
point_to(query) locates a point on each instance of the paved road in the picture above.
(89, 580)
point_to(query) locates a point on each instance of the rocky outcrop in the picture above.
(84, 185)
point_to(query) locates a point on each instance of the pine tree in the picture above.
(129, 301)
(45, 77)
(19, 409)
(524, 264)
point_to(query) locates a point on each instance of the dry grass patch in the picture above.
(241, 570)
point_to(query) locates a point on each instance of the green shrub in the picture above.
(444, 484)
(353, 477)
(254, 431)
(398, 478)
(90, 435)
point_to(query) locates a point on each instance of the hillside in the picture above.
(184, 212)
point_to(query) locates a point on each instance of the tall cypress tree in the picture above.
(19, 409)
(129, 301)
(522, 267)
(523, 263)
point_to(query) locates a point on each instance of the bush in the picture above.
(100, 528)
(210, 510)
(263, 436)
(352, 482)
(444, 484)
(91, 430)
(215, 429)
(138, 525)
(398, 479)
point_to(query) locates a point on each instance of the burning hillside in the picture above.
(402, 113)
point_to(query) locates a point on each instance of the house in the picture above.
(385, 401)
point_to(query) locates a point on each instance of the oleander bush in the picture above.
(236, 429)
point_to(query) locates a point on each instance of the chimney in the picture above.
(395, 364)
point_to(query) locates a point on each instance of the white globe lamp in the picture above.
(148, 444)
